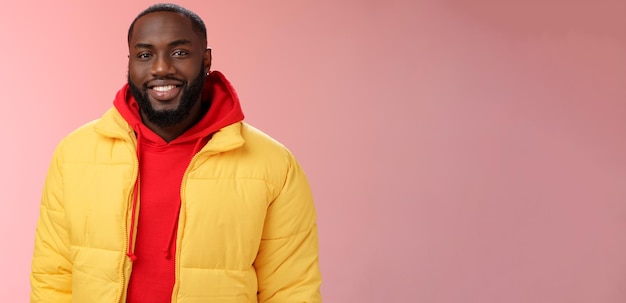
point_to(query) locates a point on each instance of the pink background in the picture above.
(459, 151)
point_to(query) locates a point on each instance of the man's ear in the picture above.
(207, 59)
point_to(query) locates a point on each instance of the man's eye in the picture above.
(143, 56)
(179, 53)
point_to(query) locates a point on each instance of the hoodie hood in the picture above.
(224, 109)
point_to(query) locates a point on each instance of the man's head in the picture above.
(196, 22)
(167, 63)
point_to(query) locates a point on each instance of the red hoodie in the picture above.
(161, 169)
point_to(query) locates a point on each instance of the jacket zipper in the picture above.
(181, 221)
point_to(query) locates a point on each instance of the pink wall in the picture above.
(460, 151)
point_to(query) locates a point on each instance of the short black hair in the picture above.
(196, 22)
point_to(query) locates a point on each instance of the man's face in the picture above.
(166, 68)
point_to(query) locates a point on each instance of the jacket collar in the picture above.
(113, 125)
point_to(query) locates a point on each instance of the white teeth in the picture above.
(163, 88)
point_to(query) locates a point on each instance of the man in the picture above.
(170, 197)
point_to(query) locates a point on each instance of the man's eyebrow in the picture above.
(171, 44)
(143, 45)
(179, 42)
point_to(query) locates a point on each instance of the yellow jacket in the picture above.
(246, 233)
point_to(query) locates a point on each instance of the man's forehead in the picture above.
(162, 23)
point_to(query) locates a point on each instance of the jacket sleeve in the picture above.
(287, 262)
(51, 274)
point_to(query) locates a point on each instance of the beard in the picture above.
(165, 118)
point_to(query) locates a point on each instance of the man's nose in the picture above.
(162, 66)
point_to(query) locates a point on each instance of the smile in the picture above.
(164, 88)
(164, 93)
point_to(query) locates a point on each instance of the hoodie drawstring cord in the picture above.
(168, 248)
(130, 252)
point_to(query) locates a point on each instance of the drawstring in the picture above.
(130, 253)
(168, 248)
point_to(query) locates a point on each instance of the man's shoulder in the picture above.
(81, 133)
(250, 132)
(258, 139)
(92, 131)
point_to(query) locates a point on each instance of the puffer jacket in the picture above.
(247, 227)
